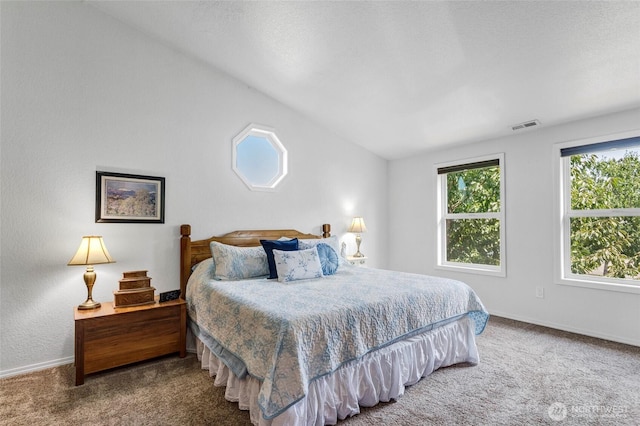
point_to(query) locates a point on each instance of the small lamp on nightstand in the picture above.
(92, 251)
(358, 227)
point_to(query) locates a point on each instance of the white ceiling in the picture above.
(403, 77)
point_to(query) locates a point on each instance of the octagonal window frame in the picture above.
(267, 133)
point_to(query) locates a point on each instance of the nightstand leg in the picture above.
(183, 330)
(79, 355)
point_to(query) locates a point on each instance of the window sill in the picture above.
(600, 285)
(473, 269)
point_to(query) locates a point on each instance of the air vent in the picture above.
(526, 125)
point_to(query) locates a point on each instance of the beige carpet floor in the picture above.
(527, 375)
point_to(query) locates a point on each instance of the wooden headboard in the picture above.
(193, 252)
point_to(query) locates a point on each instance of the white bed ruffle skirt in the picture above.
(378, 376)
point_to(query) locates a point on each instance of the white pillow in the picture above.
(238, 263)
(297, 265)
(332, 242)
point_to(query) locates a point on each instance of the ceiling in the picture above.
(404, 77)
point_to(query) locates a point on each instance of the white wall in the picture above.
(82, 92)
(529, 228)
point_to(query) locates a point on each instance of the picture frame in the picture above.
(127, 198)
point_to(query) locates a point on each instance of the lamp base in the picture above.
(89, 280)
(89, 304)
(358, 241)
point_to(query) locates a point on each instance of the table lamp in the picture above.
(358, 227)
(92, 251)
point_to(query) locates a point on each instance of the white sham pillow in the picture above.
(238, 263)
(332, 242)
(297, 265)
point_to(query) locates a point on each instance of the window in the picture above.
(259, 158)
(471, 215)
(600, 213)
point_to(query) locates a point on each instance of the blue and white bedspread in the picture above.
(288, 334)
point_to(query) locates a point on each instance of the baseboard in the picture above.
(568, 328)
(50, 364)
(35, 367)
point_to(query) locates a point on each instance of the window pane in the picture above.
(257, 159)
(606, 180)
(474, 190)
(473, 241)
(606, 246)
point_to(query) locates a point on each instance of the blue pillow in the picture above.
(284, 245)
(328, 259)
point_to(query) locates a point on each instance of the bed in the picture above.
(319, 342)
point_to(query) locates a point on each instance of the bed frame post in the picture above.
(326, 230)
(185, 256)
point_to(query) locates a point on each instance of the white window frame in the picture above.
(443, 215)
(269, 135)
(562, 245)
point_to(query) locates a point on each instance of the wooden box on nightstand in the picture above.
(135, 289)
(110, 337)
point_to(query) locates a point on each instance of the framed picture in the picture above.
(123, 198)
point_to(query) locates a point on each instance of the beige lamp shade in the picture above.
(92, 251)
(357, 225)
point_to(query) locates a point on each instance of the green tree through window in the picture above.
(474, 240)
(471, 217)
(604, 221)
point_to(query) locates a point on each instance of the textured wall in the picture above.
(82, 92)
(530, 215)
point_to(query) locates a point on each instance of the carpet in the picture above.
(528, 375)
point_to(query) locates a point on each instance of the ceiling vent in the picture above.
(526, 125)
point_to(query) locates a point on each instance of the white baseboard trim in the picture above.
(568, 328)
(49, 364)
(35, 367)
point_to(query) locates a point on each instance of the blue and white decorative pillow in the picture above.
(328, 259)
(238, 263)
(270, 245)
(297, 265)
(332, 242)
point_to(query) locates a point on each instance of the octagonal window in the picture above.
(259, 158)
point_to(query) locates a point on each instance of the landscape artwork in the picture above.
(128, 198)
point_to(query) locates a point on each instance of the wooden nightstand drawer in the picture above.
(108, 337)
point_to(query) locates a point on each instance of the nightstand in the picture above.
(358, 261)
(110, 337)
